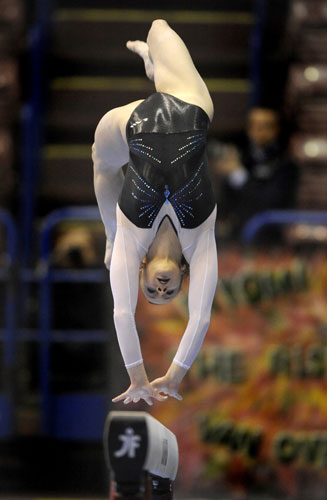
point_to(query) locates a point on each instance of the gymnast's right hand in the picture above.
(135, 392)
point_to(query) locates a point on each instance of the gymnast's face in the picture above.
(160, 280)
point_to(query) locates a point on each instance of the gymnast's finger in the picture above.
(177, 396)
(119, 398)
(127, 400)
(148, 400)
(160, 397)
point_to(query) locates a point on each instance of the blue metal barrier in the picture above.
(256, 42)
(32, 115)
(281, 217)
(68, 416)
(7, 336)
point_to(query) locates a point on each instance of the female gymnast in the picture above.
(162, 214)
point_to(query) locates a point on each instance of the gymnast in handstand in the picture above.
(160, 217)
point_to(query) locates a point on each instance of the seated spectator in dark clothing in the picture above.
(256, 177)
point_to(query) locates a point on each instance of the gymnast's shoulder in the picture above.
(110, 136)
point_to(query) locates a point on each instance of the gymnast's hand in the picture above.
(169, 383)
(140, 388)
(136, 392)
(166, 386)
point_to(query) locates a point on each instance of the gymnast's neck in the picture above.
(166, 244)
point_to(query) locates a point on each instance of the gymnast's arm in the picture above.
(203, 282)
(109, 154)
(124, 278)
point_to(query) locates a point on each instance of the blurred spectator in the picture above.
(75, 249)
(257, 175)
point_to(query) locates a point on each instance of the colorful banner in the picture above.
(254, 413)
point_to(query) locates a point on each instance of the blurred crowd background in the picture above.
(63, 64)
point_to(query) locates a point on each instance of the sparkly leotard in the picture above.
(167, 175)
(168, 162)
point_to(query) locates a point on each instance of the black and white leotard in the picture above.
(167, 175)
(168, 163)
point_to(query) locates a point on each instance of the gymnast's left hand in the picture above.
(169, 383)
(136, 392)
(166, 386)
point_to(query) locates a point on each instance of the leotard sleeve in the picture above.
(109, 154)
(124, 278)
(203, 281)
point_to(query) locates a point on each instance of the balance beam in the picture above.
(142, 455)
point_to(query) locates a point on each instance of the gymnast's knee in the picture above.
(159, 23)
(158, 27)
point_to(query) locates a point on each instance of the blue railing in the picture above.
(8, 335)
(256, 44)
(281, 217)
(61, 411)
(32, 117)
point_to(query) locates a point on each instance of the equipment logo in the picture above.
(130, 442)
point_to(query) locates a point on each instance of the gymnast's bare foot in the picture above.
(142, 49)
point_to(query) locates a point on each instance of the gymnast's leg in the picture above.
(169, 64)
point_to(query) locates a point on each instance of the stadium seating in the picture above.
(307, 27)
(6, 170)
(11, 26)
(306, 99)
(11, 43)
(8, 91)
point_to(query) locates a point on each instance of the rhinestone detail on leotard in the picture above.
(151, 205)
(139, 146)
(166, 193)
(182, 198)
(198, 140)
(195, 141)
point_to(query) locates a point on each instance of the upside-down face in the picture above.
(161, 279)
